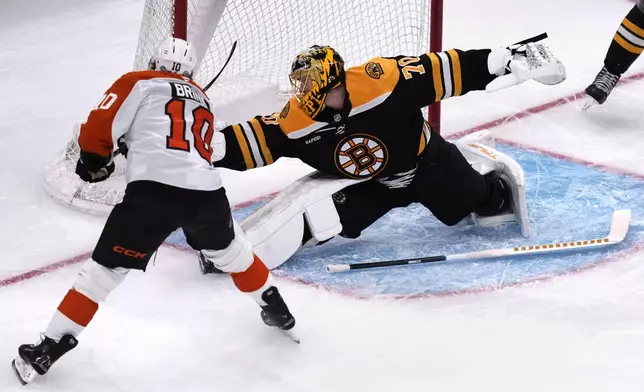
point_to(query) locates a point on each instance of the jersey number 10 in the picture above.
(202, 119)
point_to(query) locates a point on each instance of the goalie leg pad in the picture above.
(484, 137)
(485, 159)
(237, 257)
(277, 228)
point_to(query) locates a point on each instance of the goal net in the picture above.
(269, 33)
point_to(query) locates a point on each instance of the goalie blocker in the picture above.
(318, 207)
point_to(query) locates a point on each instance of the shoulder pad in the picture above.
(371, 83)
(294, 122)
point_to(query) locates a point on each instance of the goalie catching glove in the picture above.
(93, 167)
(521, 62)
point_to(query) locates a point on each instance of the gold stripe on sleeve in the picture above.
(436, 74)
(456, 72)
(243, 146)
(261, 138)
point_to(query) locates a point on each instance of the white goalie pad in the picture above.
(275, 230)
(483, 137)
(484, 158)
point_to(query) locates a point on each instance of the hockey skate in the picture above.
(37, 359)
(600, 88)
(276, 314)
(206, 266)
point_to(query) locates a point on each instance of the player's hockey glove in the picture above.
(520, 62)
(121, 147)
(93, 167)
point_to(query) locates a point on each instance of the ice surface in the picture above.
(172, 329)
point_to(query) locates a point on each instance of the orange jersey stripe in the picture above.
(96, 133)
(78, 308)
(253, 278)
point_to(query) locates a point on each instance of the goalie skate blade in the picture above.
(24, 372)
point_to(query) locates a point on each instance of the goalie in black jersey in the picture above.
(363, 130)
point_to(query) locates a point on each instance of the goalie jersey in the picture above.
(167, 124)
(379, 134)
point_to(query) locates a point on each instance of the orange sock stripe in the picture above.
(78, 308)
(253, 278)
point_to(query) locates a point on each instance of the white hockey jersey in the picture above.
(168, 126)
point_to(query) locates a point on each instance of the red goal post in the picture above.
(269, 34)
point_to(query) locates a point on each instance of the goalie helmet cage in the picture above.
(269, 34)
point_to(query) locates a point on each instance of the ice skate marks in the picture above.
(566, 200)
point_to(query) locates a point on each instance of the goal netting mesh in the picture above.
(269, 33)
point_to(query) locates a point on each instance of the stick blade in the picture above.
(619, 225)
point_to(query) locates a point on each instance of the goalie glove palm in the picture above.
(93, 167)
(519, 63)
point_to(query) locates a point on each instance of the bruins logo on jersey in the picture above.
(374, 69)
(360, 156)
(285, 110)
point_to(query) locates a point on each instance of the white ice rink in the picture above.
(172, 329)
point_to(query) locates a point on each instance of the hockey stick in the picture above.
(618, 229)
(536, 38)
(230, 55)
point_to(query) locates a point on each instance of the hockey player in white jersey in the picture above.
(167, 124)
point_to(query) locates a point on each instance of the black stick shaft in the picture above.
(536, 38)
(230, 55)
(390, 263)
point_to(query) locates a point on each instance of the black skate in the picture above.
(206, 266)
(502, 200)
(276, 314)
(601, 88)
(39, 358)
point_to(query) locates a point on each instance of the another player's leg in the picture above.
(76, 310)
(132, 233)
(625, 48)
(221, 242)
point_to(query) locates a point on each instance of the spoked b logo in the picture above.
(360, 156)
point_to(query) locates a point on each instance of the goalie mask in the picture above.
(174, 55)
(314, 73)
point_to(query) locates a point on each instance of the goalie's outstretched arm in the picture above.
(251, 144)
(433, 77)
